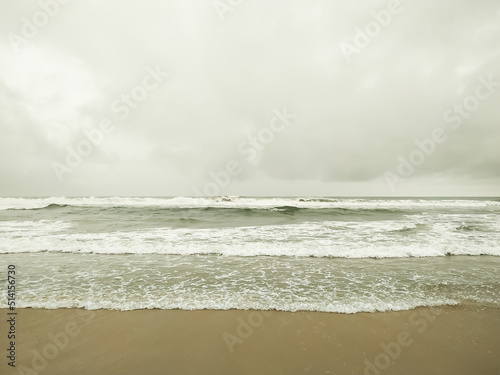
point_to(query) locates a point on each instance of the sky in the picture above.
(240, 97)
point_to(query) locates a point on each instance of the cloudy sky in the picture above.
(250, 97)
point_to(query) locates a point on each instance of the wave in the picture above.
(411, 228)
(188, 245)
(229, 210)
(317, 200)
(51, 206)
(469, 228)
(282, 231)
(245, 202)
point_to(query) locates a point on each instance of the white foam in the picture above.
(289, 284)
(377, 239)
(342, 308)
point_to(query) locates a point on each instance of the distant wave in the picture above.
(317, 200)
(246, 202)
(50, 206)
(234, 213)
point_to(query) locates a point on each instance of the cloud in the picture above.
(353, 119)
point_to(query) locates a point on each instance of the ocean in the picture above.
(343, 255)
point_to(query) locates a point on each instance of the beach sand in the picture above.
(444, 340)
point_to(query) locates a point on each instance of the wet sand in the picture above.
(444, 340)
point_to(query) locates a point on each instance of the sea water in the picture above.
(297, 253)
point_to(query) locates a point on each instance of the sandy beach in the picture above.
(227, 187)
(444, 340)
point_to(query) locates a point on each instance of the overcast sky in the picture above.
(180, 86)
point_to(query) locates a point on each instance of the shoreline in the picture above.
(442, 340)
